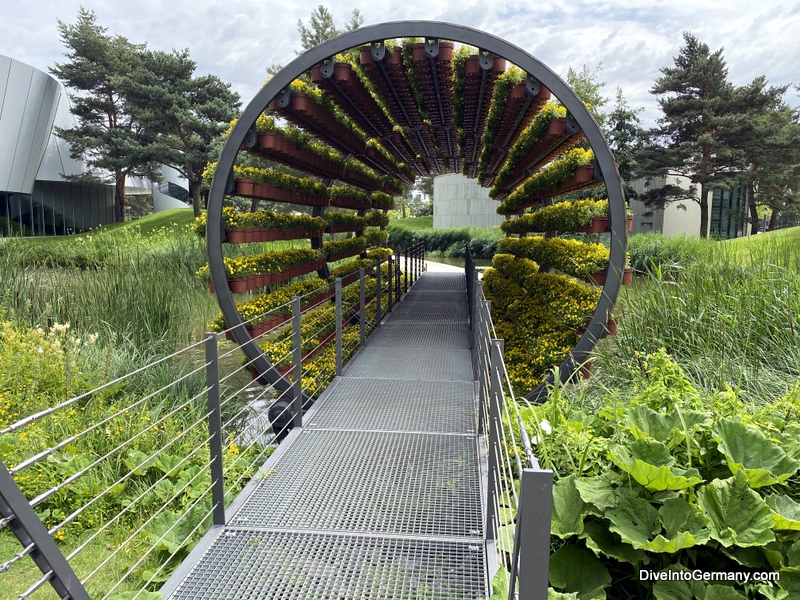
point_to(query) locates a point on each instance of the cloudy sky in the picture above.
(629, 39)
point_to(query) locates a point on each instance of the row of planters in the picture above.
(267, 226)
(580, 216)
(247, 273)
(273, 309)
(571, 173)
(318, 327)
(584, 260)
(696, 490)
(473, 89)
(277, 186)
(546, 138)
(514, 106)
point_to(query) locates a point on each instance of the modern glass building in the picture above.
(35, 196)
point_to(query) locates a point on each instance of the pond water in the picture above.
(459, 262)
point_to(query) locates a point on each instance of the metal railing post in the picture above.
(297, 359)
(378, 295)
(338, 287)
(215, 429)
(532, 536)
(362, 310)
(390, 291)
(495, 433)
(398, 274)
(29, 529)
(405, 281)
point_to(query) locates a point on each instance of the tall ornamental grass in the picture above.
(137, 290)
(728, 313)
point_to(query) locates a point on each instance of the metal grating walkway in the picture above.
(379, 496)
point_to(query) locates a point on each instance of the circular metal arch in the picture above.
(430, 30)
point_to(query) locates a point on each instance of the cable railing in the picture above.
(109, 491)
(519, 492)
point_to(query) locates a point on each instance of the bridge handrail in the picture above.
(197, 395)
(522, 547)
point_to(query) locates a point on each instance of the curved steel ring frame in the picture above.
(431, 30)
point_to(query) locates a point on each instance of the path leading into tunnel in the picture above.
(379, 495)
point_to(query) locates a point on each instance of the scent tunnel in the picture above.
(346, 125)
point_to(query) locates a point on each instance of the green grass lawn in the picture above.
(413, 223)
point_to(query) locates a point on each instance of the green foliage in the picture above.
(532, 134)
(572, 257)
(666, 480)
(726, 312)
(182, 113)
(135, 288)
(654, 252)
(447, 242)
(545, 181)
(107, 137)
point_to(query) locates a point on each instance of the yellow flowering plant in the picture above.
(532, 134)
(545, 180)
(572, 257)
(561, 216)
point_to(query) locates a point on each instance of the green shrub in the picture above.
(659, 475)
(446, 242)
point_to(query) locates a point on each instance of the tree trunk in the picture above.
(751, 206)
(773, 219)
(196, 190)
(254, 204)
(119, 198)
(703, 211)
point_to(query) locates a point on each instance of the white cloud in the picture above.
(631, 40)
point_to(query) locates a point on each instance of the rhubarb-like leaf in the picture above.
(786, 512)
(635, 520)
(737, 515)
(654, 478)
(568, 508)
(576, 569)
(748, 450)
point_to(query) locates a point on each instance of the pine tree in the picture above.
(626, 138)
(321, 27)
(183, 114)
(696, 137)
(111, 143)
(772, 149)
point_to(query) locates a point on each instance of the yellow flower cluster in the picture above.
(572, 257)
(561, 216)
(537, 315)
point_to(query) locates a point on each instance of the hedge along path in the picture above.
(365, 113)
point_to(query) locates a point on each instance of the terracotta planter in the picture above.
(611, 327)
(599, 278)
(586, 370)
(343, 72)
(270, 141)
(334, 256)
(301, 102)
(235, 236)
(445, 52)
(239, 285)
(343, 228)
(584, 174)
(599, 224)
(244, 187)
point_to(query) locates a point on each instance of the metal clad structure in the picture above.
(27, 110)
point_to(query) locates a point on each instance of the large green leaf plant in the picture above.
(662, 478)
